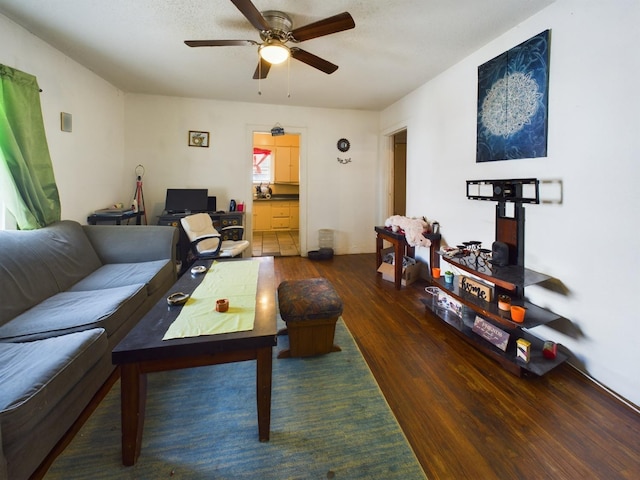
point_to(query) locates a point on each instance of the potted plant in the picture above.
(448, 276)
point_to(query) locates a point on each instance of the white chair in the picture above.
(206, 242)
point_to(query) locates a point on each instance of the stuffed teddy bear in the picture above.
(413, 229)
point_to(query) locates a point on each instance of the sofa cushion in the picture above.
(67, 252)
(35, 376)
(36, 264)
(69, 312)
(152, 274)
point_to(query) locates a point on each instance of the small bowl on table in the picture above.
(222, 305)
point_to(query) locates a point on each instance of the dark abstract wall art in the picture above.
(513, 94)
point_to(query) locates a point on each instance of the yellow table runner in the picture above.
(237, 281)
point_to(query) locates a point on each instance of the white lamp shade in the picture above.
(274, 53)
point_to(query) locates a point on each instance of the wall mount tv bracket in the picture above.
(509, 225)
(522, 190)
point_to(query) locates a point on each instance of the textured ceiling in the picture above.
(396, 46)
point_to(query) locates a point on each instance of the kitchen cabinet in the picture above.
(264, 140)
(294, 216)
(287, 159)
(261, 216)
(273, 215)
(280, 215)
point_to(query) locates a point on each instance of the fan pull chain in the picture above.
(259, 74)
(289, 77)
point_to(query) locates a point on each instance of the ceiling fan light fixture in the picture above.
(274, 52)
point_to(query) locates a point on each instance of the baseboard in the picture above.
(606, 389)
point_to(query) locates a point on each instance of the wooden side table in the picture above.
(402, 248)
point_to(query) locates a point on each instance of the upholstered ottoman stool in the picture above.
(310, 308)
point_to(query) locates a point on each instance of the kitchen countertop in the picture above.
(275, 198)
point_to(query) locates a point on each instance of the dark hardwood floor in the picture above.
(465, 416)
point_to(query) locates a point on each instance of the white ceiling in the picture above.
(396, 46)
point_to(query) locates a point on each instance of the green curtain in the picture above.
(27, 183)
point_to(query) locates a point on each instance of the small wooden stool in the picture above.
(310, 308)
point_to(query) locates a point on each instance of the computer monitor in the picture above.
(211, 204)
(183, 200)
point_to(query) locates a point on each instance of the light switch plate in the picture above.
(66, 122)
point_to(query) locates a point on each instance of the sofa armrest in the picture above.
(140, 243)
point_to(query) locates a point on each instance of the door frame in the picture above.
(387, 167)
(302, 131)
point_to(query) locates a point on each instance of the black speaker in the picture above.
(500, 254)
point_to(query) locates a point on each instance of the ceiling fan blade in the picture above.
(313, 60)
(219, 43)
(337, 23)
(262, 70)
(249, 10)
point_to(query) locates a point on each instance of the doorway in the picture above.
(276, 195)
(399, 181)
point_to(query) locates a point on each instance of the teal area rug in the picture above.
(328, 420)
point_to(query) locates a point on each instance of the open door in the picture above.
(400, 173)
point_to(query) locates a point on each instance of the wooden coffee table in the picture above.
(143, 351)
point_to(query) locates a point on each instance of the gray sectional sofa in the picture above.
(68, 294)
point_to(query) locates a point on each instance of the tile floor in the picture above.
(277, 244)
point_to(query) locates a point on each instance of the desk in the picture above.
(143, 351)
(96, 217)
(402, 248)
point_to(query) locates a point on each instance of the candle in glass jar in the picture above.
(504, 302)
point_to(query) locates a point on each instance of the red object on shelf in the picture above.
(550, 350)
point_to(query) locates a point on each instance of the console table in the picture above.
(402, 248)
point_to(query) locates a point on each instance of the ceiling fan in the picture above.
(275, 31)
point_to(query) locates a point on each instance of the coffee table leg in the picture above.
(263, 384)
(133, 395)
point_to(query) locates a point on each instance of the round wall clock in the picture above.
(343, 145)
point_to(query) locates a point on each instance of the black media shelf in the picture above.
(538, 364)
(502, 280)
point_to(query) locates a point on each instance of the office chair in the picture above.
(206, 242)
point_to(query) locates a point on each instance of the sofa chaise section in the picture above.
(45, 382)
(69, 294)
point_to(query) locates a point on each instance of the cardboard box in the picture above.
(410, 273)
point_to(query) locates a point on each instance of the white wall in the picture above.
(332, 195)
(87, 162)
(588, 243)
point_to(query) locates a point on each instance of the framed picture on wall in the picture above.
(513, 92)
(198, 139)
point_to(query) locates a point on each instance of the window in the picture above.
(262, 165)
